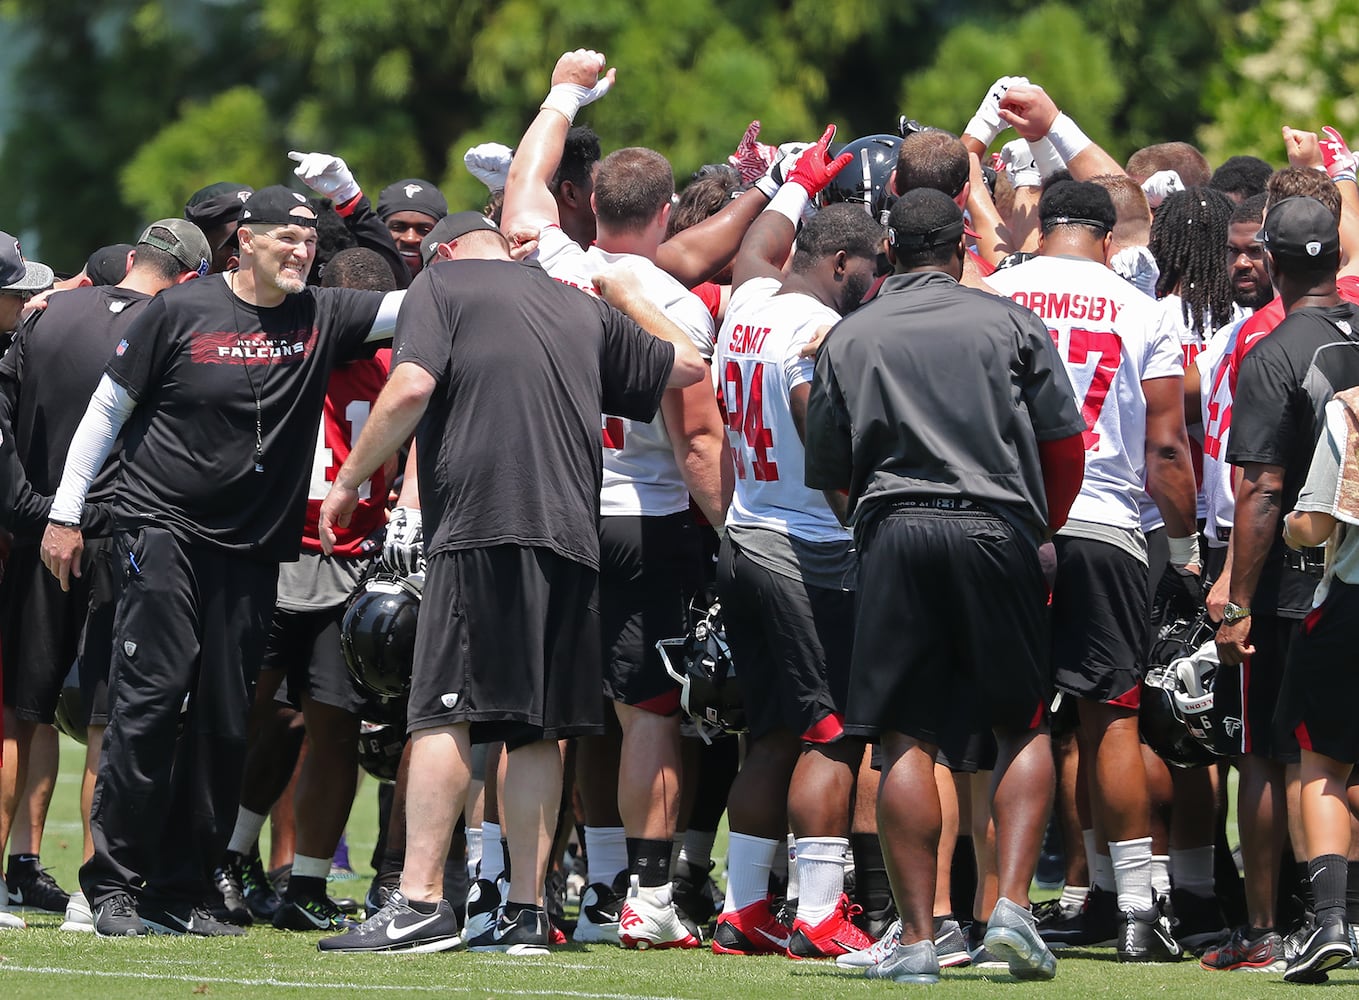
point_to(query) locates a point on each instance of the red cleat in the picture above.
(834, 936)
(751, 930)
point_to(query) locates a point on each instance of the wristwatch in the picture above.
(1233, 613)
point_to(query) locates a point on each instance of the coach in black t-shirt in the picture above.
(217, 389)
(506, 372)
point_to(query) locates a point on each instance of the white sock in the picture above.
(310, 867)
(606, 851)
(1160, 875)
(1073, 896)
(1102, 873)
(1192, 870)
(247, 832)
(1131, 861)
(748, 862)
(473, 850)
(492, 852)
(793, 887)
(821, 876)
(697, 849)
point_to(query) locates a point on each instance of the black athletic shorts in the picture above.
(41, 627)
(968, 752)
(649, 569)
(951, 608)
(1255, 687)
(508, 640)
(305, 646)
(791, 645)
(1099, 622)
(1320, 687)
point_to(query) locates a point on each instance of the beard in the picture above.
(288, 284)
(856, 287)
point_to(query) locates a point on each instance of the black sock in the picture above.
(1328, 876)
(19, 862)
(305, 887)
(512, 910)
(872, 890)
(649, 860)
(425, 909)
(939, 922)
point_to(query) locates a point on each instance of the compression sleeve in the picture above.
(109, 408)
(385, 324)
(1063, 462)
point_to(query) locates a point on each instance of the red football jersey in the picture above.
(350, 396)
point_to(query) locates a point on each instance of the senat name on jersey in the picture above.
(228, 348)
(747, 339)
(1068, 305)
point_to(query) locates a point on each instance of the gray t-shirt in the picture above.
(317, 582)
(1318, 494)
(827, 565)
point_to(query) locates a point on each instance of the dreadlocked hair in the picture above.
(1187, 237)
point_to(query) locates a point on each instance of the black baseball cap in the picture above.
(217, 204)
(276, 205)
(1301, 228)
(451, 227)
(18, 274)
(108, 265)
(924, 218)
(412, 195)
(182, 240)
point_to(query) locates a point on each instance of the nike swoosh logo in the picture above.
(1314, 875)
(320, 922)
(782, 942)
(396, 931)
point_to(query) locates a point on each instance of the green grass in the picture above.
(45, 963)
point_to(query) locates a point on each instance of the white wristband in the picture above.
(565, 99)
(984, 130)
(1046, 158)
(789, 201)
(1184, 551)
(1067, 138)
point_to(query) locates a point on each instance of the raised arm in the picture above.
(1035, 116)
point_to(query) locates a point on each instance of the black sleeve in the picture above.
(828, 445)
(634, 367)
(371, 232)
(424, 329)
(1263, 415)
(140, 359)
(347, 314)
(12, 373)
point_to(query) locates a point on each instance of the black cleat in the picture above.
(117, 917)
(1147, 937)
(1326, 947)
(1097, 924)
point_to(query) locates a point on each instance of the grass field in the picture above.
(45, 963)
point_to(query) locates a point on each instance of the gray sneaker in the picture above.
(1012, 934)
(915, 963)
(950, 945)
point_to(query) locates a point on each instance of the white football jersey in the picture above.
(756, 367)
(641, 476)
(1215, 402)
(1112, 339)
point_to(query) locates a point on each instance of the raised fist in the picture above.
(1303, 148)
(489, 163)
(986, 122)
(1160, 186)
(1017, 160)
(583, 67)
(1029, 109)
(327, 175)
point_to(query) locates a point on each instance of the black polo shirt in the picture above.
(936, 390)
(1278, 414)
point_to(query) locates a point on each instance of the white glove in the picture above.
(986, 123)
(327, 175)
(1160, 186)
(403, 543)
(1019, 164)
(782, 166)
(1137, 266)
(489, 163)
(568, 98)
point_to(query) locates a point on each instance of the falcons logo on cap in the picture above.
(412, 190)
(298, 197)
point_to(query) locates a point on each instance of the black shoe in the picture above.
(691, 895)
(195, 920)
(1198, 921)
(399, 927)
(117, 917)
(227, 878)
(1098, 924)
(1147, 937)
(242, 880)
(483, 903)
(527, 934)
(32, 888)
(1327, 947)
(875, 923)
(384, 884)
(312, 913)
(600, 910)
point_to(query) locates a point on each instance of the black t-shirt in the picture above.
(509, 446)
(51, 370)
(198, 361)
(936, 390)
(1282, 390)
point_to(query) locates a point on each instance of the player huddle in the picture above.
(941, 516)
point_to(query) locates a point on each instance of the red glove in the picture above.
(752, 158)
(814, 168)
(1335, 153)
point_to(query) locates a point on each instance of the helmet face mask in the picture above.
(377, 635)
(700, 662)
(1184, 717)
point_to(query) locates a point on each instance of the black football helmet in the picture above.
(1180, 718)
(863, 181)
(380, 747)
(377, 634)
(70, 713)
(700, 663)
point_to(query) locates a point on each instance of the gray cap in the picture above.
(182, 240)
(18, 274)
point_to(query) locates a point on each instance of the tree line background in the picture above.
(113, 111)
